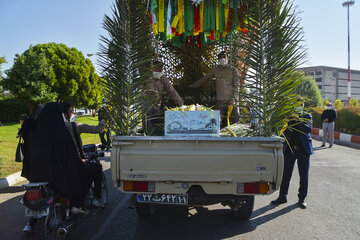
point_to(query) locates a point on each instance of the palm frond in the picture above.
(125, 56)
(274, 46)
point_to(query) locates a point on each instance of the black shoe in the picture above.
(323, 145)
(330, 146)
(279, 200)
(302, 204)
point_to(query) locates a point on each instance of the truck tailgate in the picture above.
(197, 159)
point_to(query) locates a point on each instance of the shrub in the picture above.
(325, 101)
(354, 102)
(316, 116)
(11, 108)
(348, 120)
(338, 104)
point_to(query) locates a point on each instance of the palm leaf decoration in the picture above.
(125, 56)
(274, 50)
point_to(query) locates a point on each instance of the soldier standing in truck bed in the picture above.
(155, 88)
(227, 88)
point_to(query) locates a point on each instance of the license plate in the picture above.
(181, 199)
(31, 213)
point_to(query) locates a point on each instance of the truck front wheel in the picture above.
(145, 209)
(244, 209)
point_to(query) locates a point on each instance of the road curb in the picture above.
(339, 138)
(11, 180)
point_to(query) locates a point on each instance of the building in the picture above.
(332, 82)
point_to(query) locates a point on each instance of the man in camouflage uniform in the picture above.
(155, 89)
(227, 88)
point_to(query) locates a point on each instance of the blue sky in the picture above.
(78, 23)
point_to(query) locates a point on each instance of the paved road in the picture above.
(333, 211)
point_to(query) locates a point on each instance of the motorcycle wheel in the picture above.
(46, 227)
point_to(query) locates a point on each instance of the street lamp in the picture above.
(348, 4)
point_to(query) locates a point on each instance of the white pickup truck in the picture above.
(196, 171)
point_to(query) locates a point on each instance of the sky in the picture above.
(78, 23)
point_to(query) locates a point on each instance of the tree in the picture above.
(51, 71)
(354, 102)
(125, 58)
(31, 78)
(2, 60)
(338, 104)
(274, 52)
(309, 89)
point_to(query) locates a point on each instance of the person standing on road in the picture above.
(328, 117)
(298, 146)
(102, 114)
(227, 83)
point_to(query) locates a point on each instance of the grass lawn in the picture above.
(8, 144)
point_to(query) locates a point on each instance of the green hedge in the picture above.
(11, 108)
(347, 121)
(316, 116)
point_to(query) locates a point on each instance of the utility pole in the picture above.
(348, 4)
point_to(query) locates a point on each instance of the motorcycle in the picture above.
(52, 210)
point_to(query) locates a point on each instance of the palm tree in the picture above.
(273, 44)
(125, 57)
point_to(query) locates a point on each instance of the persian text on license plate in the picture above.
(31, 213)
(163, 198)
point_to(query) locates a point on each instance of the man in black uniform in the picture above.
(297, 147)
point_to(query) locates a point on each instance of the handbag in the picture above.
(19, 156)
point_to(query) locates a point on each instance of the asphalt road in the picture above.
(333, 210)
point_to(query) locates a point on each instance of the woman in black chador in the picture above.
(25, 131)
(52, 156)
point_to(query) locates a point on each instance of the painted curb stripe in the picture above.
(337, 135)
(355, 139)
(345, 137)
(11, 180)
(315, 131)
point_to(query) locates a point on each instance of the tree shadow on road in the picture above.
(14, 189)
(13, 218)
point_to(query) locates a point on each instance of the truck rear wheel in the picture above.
(145, 209)
(244, 210)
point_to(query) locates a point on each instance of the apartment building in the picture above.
(333, 81)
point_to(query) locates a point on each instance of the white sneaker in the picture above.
(28, 228)
(75, 210)
(97, 202)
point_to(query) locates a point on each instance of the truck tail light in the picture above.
(133, 186)
(255, 188)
